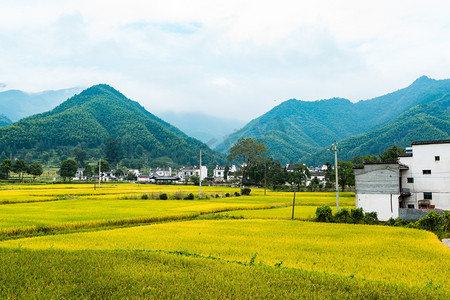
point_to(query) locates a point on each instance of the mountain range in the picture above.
(294, 131)
(100, 112)
(4, 120)
(16, 104)
(302, 131)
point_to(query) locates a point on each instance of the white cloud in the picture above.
(237, 58)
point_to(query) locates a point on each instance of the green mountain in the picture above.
(296, 129)
(87, 120)
(17, 104)
(422, 122)
(4, 120)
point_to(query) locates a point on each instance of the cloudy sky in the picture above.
(225, 58)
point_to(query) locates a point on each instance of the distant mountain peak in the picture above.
(423, 80)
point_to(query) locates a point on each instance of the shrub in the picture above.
(342, 215)
(237, 194)
(324, 213)
(189, 197)
(390, 222)
(145, 196)
(217, 196)
(446, 220)
(178, 195)
(357, 215)
(432, 221)
(163, 196)
(227, 195)
(371, 217)
(245, 191)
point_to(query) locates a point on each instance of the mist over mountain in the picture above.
(17, 104)
(100, 112)
(4, 120)
(208, 129)
(295, 130)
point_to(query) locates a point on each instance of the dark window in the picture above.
(436, 158)
(410, 180)
(427, 196)
(410, 205)
(426, 171)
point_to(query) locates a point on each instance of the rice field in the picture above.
(74, 241)
(301, 212)
(332, 248)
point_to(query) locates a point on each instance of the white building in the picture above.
(161, 172)
(426, 183)
(420, 179)
(185, 172)
(219, 172)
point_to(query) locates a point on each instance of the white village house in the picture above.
(219, 172)
(407, 188)
(185, 172)
(161, 172)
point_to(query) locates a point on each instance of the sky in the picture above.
(230, 59)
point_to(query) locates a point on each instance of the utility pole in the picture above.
(335, 148)
(99, 171)
(265, 177)
(200, 193)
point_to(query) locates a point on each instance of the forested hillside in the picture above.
(98, 114)
(4, 120)
(422, 122)
(295, 130)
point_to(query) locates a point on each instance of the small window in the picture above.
(410, 180)
(437, 158)
(410, 205)
(427, 196)
(426, 171)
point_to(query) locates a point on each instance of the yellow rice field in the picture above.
(380, 253)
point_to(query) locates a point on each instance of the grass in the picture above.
(137, 274)
(361, 251)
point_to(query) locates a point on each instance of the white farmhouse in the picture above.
(426, 183)
(185, 172)
(406, 188)
(161, 172)
(219, 172)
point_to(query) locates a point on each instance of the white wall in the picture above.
(438, 182)
(380, 203)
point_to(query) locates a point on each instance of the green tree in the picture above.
(118, 173)
(35, 170)
(299, 176)
(80, 156)
(104, 166)
(6, 167)
(68, 168)
(346, 177)
(391, 154)
(195, 179)
(276, 174)
(225, 173)
(329, 175)
(247, 152)
(112, 151)
(20, 166)
(315, 182)
(87, 171)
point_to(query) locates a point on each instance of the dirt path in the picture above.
(446, 242)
